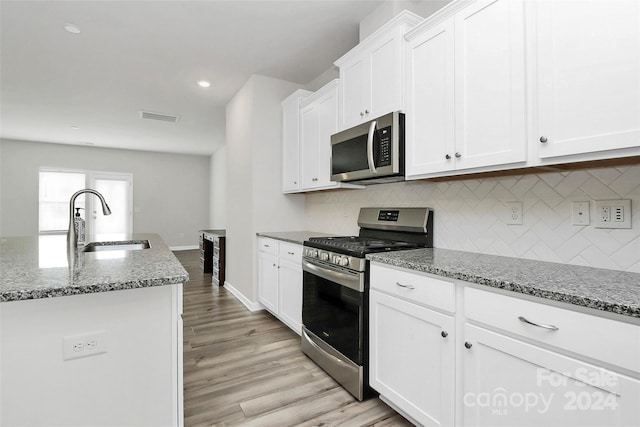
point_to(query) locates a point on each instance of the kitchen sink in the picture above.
(123, 245)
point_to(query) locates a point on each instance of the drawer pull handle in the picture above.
(405, 286)
(266, 246)
(291, 253)
(550, 327)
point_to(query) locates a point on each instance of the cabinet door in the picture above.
(354, 84)
(588, 76)
(412, 358)
(490, 104)
(384, 93)
(290, 295)
(268, 281)
(309, 146)
(327, 126)
(508, 382)
(291, 141)
(429, 102)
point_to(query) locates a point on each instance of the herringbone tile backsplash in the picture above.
(471, 215)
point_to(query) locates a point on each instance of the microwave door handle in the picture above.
(372, 129)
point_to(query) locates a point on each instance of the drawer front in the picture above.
(414, 287)
(610, 341)
(268, 245)
(291, 252)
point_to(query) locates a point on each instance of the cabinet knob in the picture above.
(366, 111)
(543, 139)
(295, 182)
(444, 334)
(468, 344)
(361, 114)
(314, 179)
(458, 155)
(274, 265)
(448, 157)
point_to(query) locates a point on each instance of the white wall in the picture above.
(255, 202)
(170, 191)
(470, 215)
(218, 189)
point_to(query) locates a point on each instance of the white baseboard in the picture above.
(183, 248)
(252, 306)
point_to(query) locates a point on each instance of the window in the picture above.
(56, 188)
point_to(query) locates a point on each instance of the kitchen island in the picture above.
(95, 340)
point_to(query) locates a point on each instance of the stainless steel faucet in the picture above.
(72, 236)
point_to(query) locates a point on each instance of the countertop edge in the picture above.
(36, 294)
(564, 297)
(295, 237)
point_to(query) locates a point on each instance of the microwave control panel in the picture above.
(384, 155)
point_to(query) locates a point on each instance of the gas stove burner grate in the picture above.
(358, 246)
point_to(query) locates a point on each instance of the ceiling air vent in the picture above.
(159, 116)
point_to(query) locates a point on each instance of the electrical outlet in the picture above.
(89, 344)
(514, 213)
(580, 213)
(613, 214)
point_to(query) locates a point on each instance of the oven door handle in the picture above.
(372, 131)
(353, 281)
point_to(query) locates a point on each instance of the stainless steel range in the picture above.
(335, 305)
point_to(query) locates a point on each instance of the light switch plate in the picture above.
(613, 214)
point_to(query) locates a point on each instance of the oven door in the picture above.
(334, 312)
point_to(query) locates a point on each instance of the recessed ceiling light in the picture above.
(204, 83)
(72, 28)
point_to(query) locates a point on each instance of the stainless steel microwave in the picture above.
(372, 152)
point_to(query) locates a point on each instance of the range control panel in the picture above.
(388, 215)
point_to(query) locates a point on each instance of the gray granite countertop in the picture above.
(293, 236)
(607, 290)
(219, 233)
(37, 267)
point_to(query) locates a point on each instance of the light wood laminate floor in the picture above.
(246, 368)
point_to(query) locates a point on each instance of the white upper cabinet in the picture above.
(291, 140)
(588, 79)
(490, 101)
(318, 120)
(429, 122)
(308, 121)
(371, 74)
(466, 90)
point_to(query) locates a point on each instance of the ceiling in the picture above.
(89, 88)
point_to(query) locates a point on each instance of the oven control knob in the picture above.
(313, 253)
(344, 261)
(324, 256)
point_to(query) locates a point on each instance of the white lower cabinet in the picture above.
(280, 280)
(508, 382)
(412, 357)
(451, 353)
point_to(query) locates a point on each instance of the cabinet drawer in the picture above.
(414, 287)
(610, 341)
(291, 252)
(268, 245)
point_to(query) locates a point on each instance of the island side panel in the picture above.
(133, 383)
